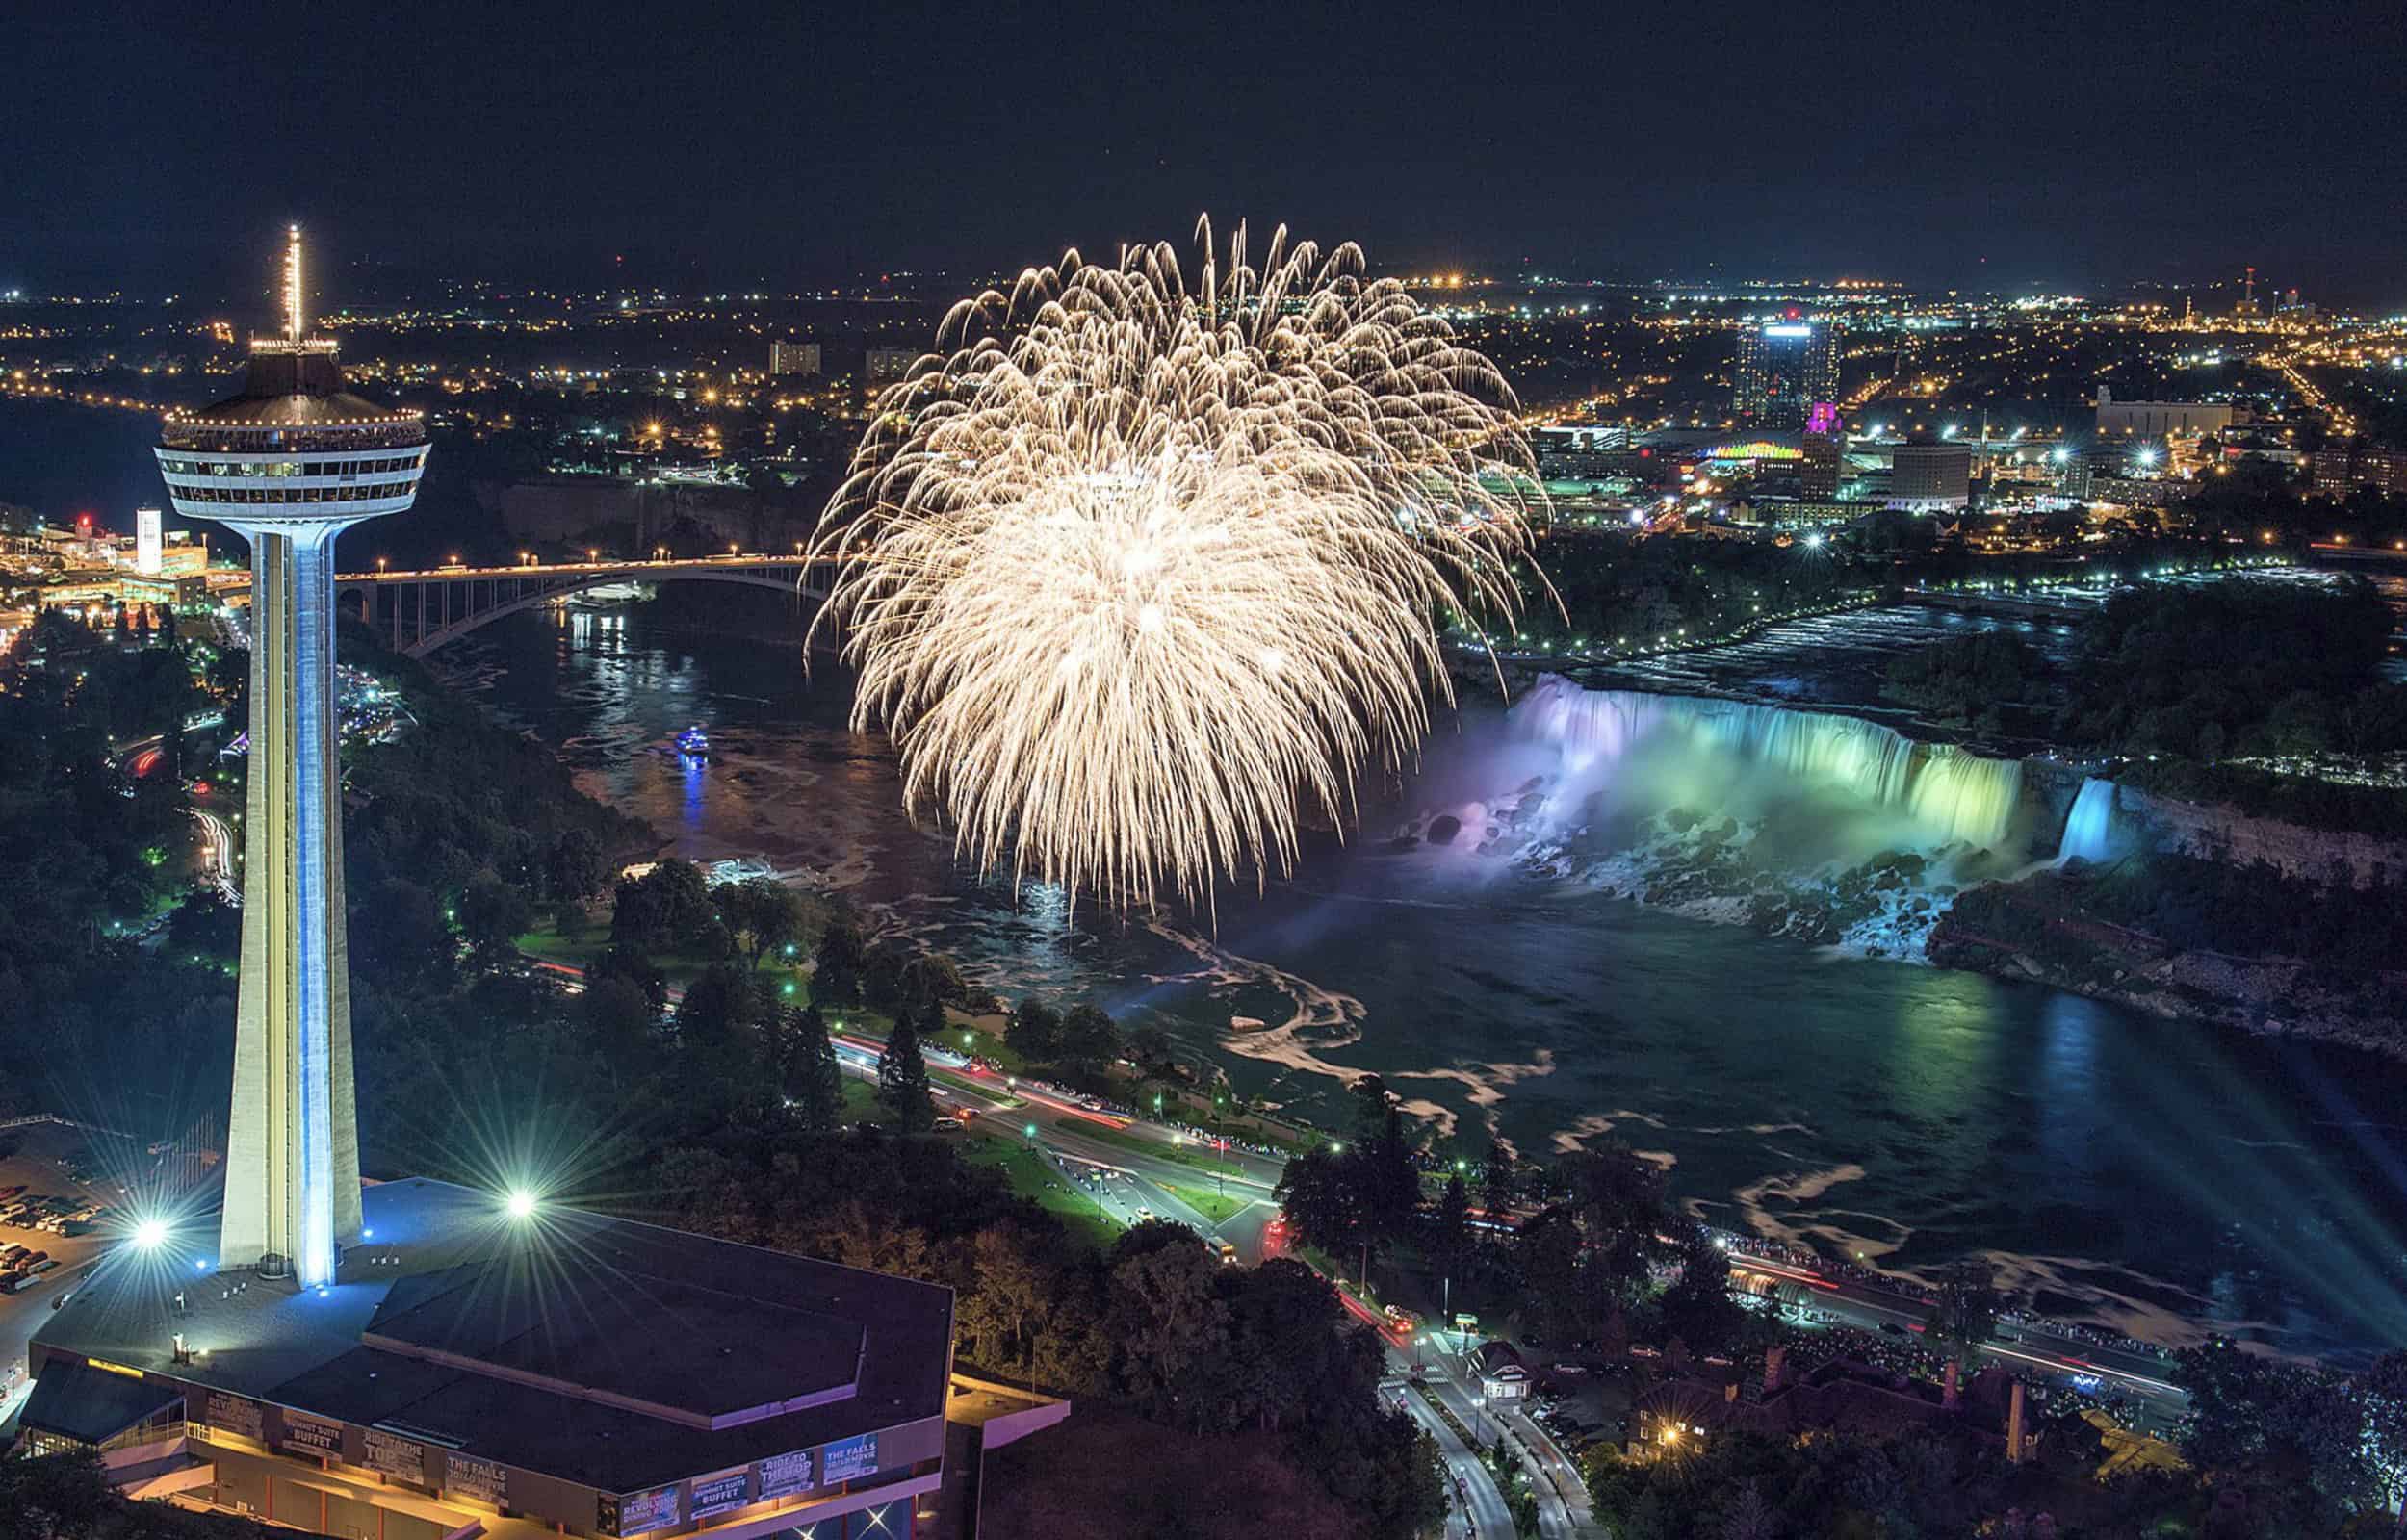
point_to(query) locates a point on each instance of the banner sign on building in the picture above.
(848, 1458)
(147, 545)
(783, 1475)
(468, 1476)
(401, 1458)
(304, 1434)
(233, 1414)
(639, 1512)
(723, 1493)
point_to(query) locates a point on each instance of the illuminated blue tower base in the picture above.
(292, 1127)
(289, 464)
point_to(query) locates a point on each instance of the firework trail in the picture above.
(1134, 572)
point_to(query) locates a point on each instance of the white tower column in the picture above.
(292, 1167)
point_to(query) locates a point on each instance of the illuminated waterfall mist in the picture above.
(1949, 793)
(1807, 824)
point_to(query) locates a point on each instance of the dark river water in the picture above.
(2159, 1177)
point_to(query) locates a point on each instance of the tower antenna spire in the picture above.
(293, 283)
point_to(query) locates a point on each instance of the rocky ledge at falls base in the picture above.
(2242, 946)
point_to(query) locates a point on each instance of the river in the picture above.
(2160, 1177)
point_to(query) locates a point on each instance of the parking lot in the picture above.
(36, 1166)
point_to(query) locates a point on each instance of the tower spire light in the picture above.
(293, 283)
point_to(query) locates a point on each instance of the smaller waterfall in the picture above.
(2090, 826)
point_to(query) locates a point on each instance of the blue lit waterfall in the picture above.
(2090, 829)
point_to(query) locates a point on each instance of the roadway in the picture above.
(1562, 1507)
(2157, 1404)
(217, 856)
(1475, 1509)
(1129, 1167)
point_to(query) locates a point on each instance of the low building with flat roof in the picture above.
(474, 1372)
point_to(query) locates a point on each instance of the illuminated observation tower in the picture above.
(289, 464)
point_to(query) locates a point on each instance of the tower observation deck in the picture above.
(290, 463)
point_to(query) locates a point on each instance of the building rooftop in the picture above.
(599, 1350)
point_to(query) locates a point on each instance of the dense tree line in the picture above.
(2336, 1442)
(96, 1022)
(1610, 587)
(1973, 681)
(2238, 668)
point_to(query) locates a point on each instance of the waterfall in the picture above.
(2090, 826)
(1954, 794)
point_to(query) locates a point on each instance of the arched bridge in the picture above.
(420, 611)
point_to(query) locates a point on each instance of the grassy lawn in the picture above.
(588, 938)
(861, 1105)
(575, 948)
(1032, 1177)
(1212, 1205)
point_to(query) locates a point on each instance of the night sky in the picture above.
(688, 146)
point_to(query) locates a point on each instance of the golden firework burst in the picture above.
(1134, 571)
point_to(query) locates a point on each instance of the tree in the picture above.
(623, 961)
(402, 932)
(673, 907)
(1007, 1312)
(932, 976)
(1165, 1318)
(1387, 1179)
(1450, 1239)
(1547, 1250)
(1371, 1106)
(640, 916)
(208, 924)
(1697, 1307)
(493, 913)
(1090, 1040)
(572, 867)
(761, 914)
(617, 1016)
(1150, 1048)
(1750, 1517)
(1318, 1193)
(1034, 1032)
(838, 966)
(902, 1078)
(1496, 1177)
(722, 1008)
(1618, 1197)
(1965, 1310)
(813, 1080)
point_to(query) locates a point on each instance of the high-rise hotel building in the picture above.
(1785, 368)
